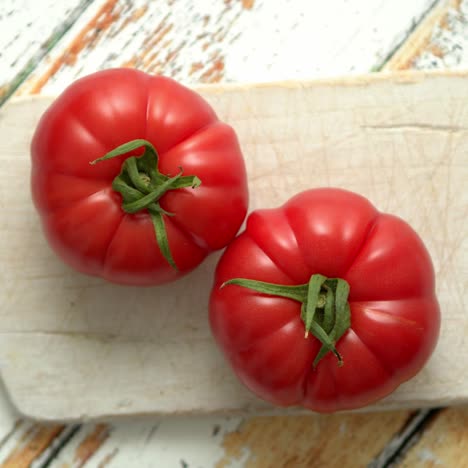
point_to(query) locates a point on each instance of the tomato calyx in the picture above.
(324, 307)
(142, 185)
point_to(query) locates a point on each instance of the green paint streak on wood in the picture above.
(379, 65)
(48, 45)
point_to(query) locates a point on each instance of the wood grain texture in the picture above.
(280, 441)
(240, 41)
(33, 443)
(90, 444)
(439, 42)
(443, 444)
(149, 442)
(322, 133)
(310, 441)
(29, 29)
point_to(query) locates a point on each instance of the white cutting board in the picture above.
(74, 347)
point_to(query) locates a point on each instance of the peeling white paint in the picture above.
(157, 443)
(425, 455)
(25, 28)
(291, 39)
(448, 46)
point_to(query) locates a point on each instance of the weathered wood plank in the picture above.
(12, 429)
(439, 42)
(231, 40)
(90, 444)
(167, 443)
(29, 29)
(303, 441)
(397, 444)
(310, 441)
(32, 443)
(444, 443)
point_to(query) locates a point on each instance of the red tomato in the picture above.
(87, 220)
(392, 307)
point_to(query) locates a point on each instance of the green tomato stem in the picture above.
(142, 185)
(324, 307)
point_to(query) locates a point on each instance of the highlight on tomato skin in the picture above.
(135, 178)
(325, 303)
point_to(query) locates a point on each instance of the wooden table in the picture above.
(46, 44)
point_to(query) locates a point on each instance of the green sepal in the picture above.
(324, 307)
(313, 294)
(297, 293)
(142, 185)
(342, 317)
(161, 236)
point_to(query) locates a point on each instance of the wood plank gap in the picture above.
(91, 444)
(47, 46)
(57, 446)
(8, 436)
(401, 44)
(38, 439)
(395, 450)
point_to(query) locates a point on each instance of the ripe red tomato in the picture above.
(140, 218)
(320, 246)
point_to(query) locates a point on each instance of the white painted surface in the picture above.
(448, 45)
(274, 40)
(26, 29)
(174, 442)
(92, 349)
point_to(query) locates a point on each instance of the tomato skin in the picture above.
(82, 216)
(395, 316)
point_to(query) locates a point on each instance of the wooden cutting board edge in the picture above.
(401, 77)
